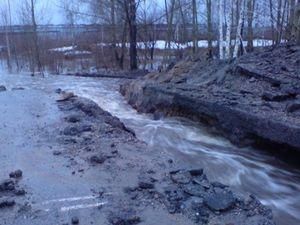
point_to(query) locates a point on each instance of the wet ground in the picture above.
(246, 170)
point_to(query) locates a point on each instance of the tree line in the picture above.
(232, 24)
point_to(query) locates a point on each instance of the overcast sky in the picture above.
(48, 11)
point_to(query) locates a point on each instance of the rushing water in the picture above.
(247, 170)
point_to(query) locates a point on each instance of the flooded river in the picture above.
(246, 170)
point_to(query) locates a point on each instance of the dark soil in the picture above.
(251, 101)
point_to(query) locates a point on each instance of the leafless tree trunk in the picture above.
(296, 27)
(291, 19)
(221, 35)
(238, 38)
(209, 27)
(195, 26)
(250, 15)
(272, 20)
(278, 23)
(35, 40)
(130, 9)
(169, 17)
(228, 30)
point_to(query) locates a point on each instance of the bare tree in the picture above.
(250, 15)
(209, 27)
(238, 39)
(130, 8)
(296, 27)
(221, 24)
(228, 29)
(195, 26)
(6, 18)
(71, 10)
(28, 17)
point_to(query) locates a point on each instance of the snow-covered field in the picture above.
(161, 44)
(70, 51)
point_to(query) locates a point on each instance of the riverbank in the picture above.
(89, 168)
(251, 101)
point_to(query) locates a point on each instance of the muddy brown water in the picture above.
(246, 170)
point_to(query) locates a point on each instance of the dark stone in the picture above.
(219, 185)
(125, 219)
(5, 203)
(170, 161)
(194, 203)
(65, 96)
(73, 119)
(146, 185)
(203, 182)
(57, 153)
(293, 107)
(2, 88)
(194, 190)
(58, 90)
(99, 159)
(18, 89)
(71, 131)
(85, 127)
(220, 201)
(277, 97)
(20, 192)
(196, 172)
(7, 185)
(181, 177)
(129, 190)
(75, 220)
(16, 174)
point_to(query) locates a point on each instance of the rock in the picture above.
(16, 174)
(65, 96)
(194, 190)
(277, 97)
(75, 220)
(293, 107)
(196, 172)
(7, 185)
(6, 202)
(146, 185)
(20, 192)
(170, 161)
(56, 152)
(58, 90)
(218, 185)
(73, 119)
(71, 131)
(99, 159)
(194, 203)
(181, 177)
(2, 88)
(125, 219)
(203, 182)
(18, 89)
(220, 201)
(85, 128)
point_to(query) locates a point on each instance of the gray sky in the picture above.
(48, 11)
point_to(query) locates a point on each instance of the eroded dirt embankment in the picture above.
(254, 100)
(129, 183)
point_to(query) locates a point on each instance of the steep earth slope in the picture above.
(254, 100)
